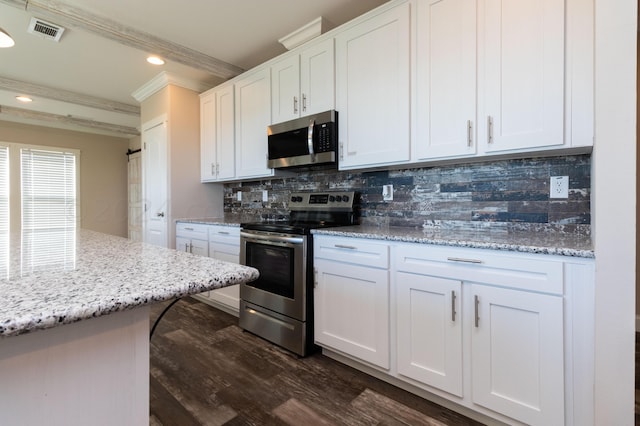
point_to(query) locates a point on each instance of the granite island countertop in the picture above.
(552, 243)
(89, 274)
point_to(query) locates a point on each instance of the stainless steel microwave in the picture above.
(304, 142)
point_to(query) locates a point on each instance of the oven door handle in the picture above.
(271, 238)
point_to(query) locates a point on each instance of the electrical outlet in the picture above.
(265, 195)
(559, 187)
(239, 196)
(387, 192)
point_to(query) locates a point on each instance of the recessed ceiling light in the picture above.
(155, 60)
(5, 39)
(24, 99)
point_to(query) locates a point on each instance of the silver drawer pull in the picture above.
(463, 260)
(223, 233)
(188, 229)
(345, 247)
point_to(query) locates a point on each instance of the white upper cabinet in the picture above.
(521, 74)
(208, 158)
(303, 83)
(445, 58)
(373, 90)
(217, 134)
(253, 116)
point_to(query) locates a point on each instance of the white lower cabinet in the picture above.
(217, 241)
(224, 244)
(192, 238)
(351, 299)
(517, 354)
(488, 330)
(430, 330)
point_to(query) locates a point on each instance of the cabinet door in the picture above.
(522, 73)
(225, 133)
(351, 310)
(253, 116)
(208, 137)
(200, 247)
(317, 78)
(517, 354)
(445, 78)
(182, 244)
(373, 90)
(285, 83)
(430, 331)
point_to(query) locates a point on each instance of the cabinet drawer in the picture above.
(224, 235)
(192, 230)
(515, 270)
(352, 250)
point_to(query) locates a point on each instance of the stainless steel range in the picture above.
(278, 306)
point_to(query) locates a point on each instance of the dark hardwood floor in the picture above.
(206, 371)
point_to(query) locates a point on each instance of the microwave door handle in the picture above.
(310, 140)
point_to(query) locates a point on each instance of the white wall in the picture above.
(614, 210)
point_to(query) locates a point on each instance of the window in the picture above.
(48, 195)
(48, 189)
(39, 197)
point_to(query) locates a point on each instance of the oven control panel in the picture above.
(337, 200)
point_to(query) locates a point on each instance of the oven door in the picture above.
(281, 260)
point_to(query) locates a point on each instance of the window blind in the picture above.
(4, 212)
(48, 189)
(49, 204)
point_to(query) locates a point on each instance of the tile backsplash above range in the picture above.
(507, 194)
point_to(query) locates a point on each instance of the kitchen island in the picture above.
(74, 322)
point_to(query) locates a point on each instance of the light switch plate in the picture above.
(559, 187)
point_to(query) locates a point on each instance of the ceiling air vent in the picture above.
(45, 29)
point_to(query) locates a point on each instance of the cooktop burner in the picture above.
(312, 211)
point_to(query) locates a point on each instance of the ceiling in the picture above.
(86, 80)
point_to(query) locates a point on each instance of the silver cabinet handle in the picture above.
(463, 260)
(223, 233)
(161, 214)
(341, 151)
(477, 305)
(489, 129)
(295, 104)
(188, 229)
(469, 133)
(315, 277)
(213, 169)
(190, 248)
(186, 247)
(304, 103)
(342, 246)
(453, 306)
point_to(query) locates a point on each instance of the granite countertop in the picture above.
(54, 278)
(227, 220)
(553, 243)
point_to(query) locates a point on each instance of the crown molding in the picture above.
(164, 79)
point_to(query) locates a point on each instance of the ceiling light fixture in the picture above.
(24, 99)
(155, 60)
(5, 39)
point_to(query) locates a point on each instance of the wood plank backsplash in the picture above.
(513, 194)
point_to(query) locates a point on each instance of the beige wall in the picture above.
(103, 171)
(187, 197)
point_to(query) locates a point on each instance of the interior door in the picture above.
(154, 146)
